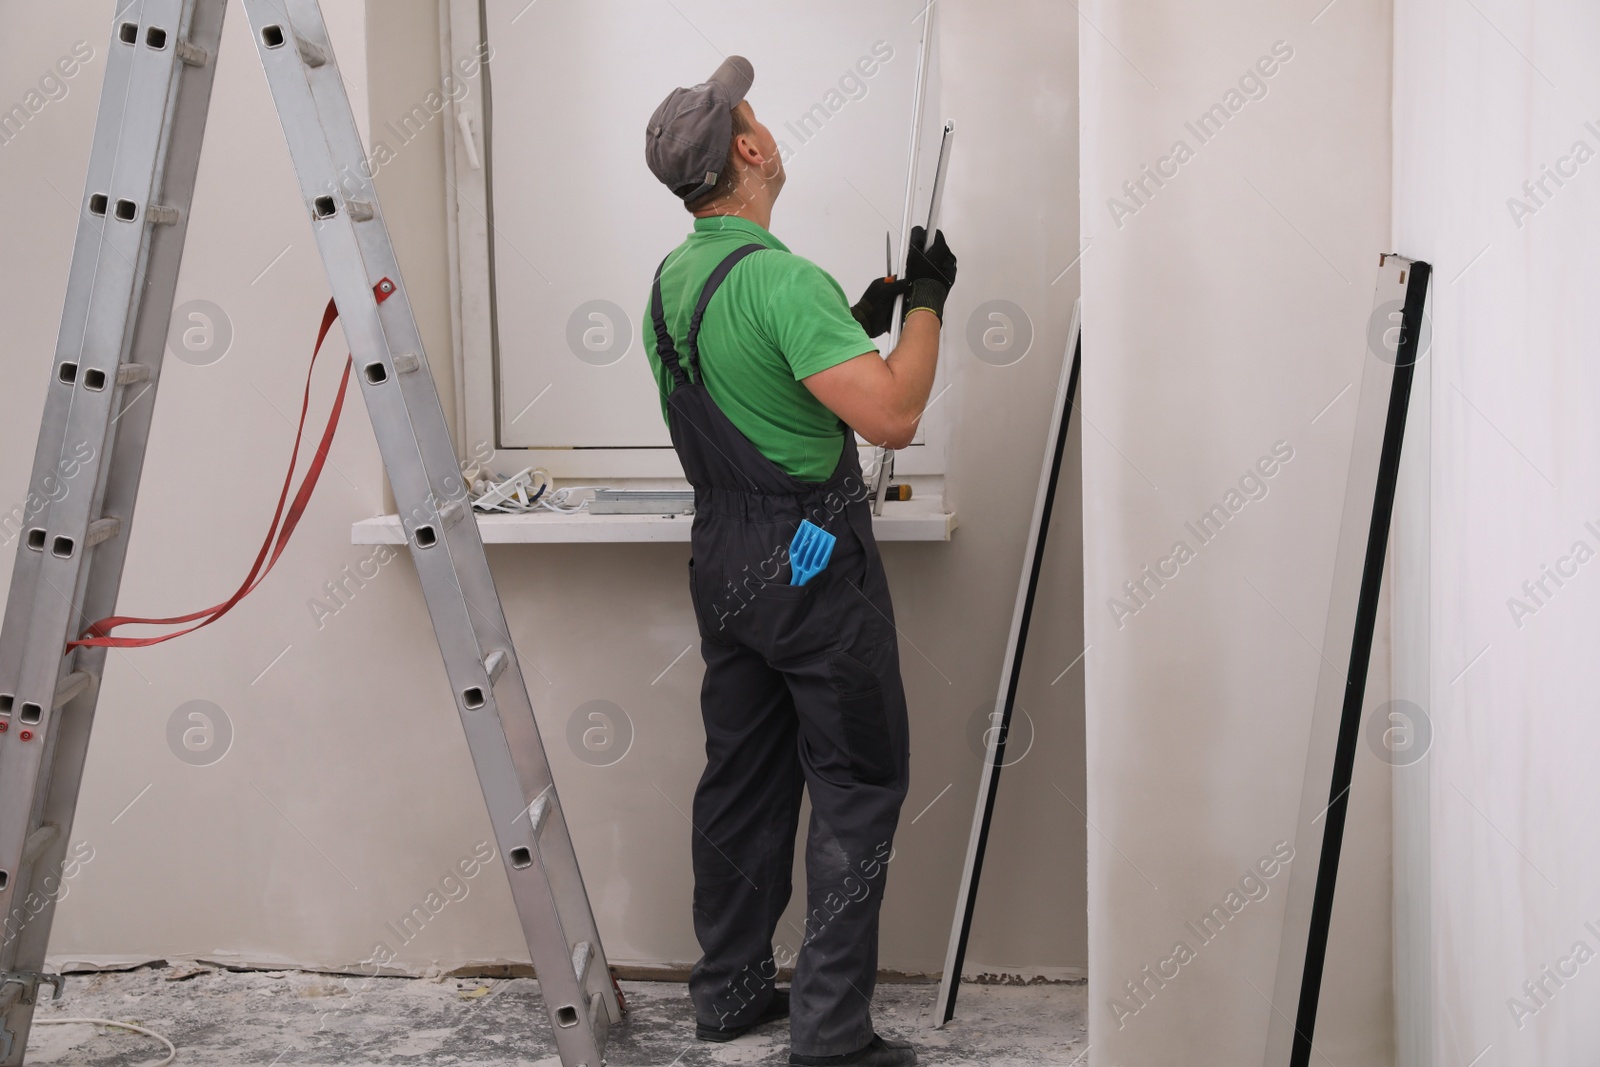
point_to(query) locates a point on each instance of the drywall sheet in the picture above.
(1497, 137)
(1236, 163)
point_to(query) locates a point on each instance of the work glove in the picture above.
(931, 272)
(936, 262)
(875, 310)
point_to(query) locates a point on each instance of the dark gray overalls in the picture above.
(802, 688)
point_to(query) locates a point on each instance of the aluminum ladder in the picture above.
(151, 121)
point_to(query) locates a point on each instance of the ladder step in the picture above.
(360, 210)
(129, 373)
(192, 55)
(405, 362)
(452, 513)
(494, 665)
(310, 54)
(103, 529)
(538, 812)
(582, 956)
(160, 215)
(37, 841)
(71, 686)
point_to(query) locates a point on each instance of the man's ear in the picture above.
(747, 149)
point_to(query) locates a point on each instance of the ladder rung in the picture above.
(310, 54)
(129, 373)
(406, 362)
(581, 958)
(538, 811)
(494, 665)
(37, 841)
(360, 211)
(71, 686)
(192, 55)
(452, 513)
(103, 529)
(162, 215)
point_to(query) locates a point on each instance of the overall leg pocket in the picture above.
(697, 602)
(715, 605)
(864, 723)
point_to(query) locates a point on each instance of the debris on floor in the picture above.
(219, 1018)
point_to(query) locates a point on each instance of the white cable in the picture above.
(531, 490)
(172, 1050)
(560, 500)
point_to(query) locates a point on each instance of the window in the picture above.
(556, 214)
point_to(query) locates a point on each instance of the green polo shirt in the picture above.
(776, 319)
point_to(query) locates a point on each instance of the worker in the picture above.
(767, 374)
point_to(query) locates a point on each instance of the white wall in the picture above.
(347, 792)
(1487, 96)
(1224, 312)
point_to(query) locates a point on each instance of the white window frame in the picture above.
(469, 215)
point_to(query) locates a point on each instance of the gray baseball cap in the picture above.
(686, 143)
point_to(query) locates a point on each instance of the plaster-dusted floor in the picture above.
(230, 1019)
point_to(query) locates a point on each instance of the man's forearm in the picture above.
(881, 398)
(913, 363)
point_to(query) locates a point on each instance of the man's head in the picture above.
(706, 145)
(753, 174)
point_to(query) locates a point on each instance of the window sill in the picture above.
(902, 520)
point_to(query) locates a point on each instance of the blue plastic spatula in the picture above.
(809, 552)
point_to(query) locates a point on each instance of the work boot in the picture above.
(880, 1052)
(777, 1008)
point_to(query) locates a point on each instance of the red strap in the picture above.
(98, 635)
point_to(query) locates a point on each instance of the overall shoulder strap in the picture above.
(665, 350)
(692, 342)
